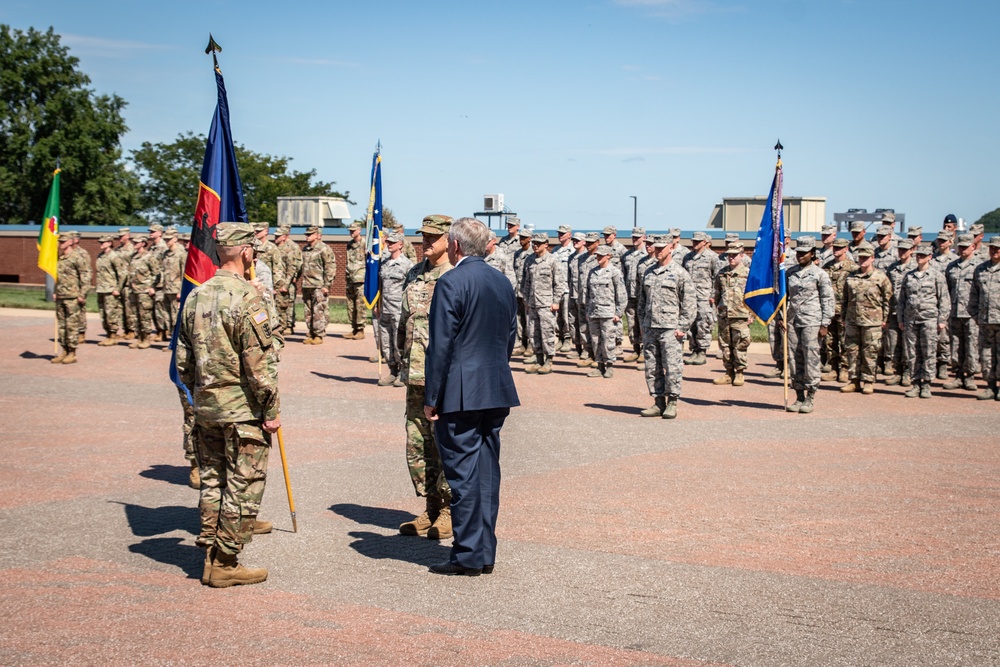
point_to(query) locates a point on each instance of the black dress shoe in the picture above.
(448, 567)
(487, 569)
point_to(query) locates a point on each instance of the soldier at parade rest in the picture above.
(923, 306)
(963, 327)
(606, 298)
(984, 307)
(865, 310)
(355, 283)
(319, 269)
(810, 309)
(72, 285)
(734, 316)
(112, 272)
(542, 289)
(392, 275)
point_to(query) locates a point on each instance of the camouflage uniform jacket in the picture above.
(501, 262)
(896, 274)
(127, 252)
(810, 296)
(838, 272)
(291, 253)
(959, 276)
(112, 272)
(630, 263)
(667, 299)
(509, 245)
(271, 255)
(319, 265)
(606, 295)
(982, 254)
(923, 298)
(941, 260)
(159, 249)
(72, 276)
(392, 275)
(984, 297)
(226, 353)
(355, 261)
(641, 268)
(173, 270)
(409, 251)
(518, 260)
(563, 254)
(418, 289)
(587, 263)
(866, 298)
(703, 267)
(543, 278)
(885, 258)
(617, 252)
(730, 285)
(573, 274)
(144, 271)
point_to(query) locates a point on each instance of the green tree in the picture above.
(169, 174)
(47, 113)
(990, 221)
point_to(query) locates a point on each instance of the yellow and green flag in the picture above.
(48, 235)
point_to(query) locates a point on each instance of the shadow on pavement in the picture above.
(148, 521)
(341, 378)
(623, 409)
(372, 516)
(167, 473)
(752, 404)
(172, 551)
(698, 401)
(27, 354)
(408, 548)
(353, 357)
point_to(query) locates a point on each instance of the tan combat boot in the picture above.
(656, 410)
(143, 343)
(261, 527)
(318, 340)
(670, 411)
(108, 342)
(59, 357)
(206, 569)
(849, 388)
(867, 388)
(422, 523)
(82, 338)
(441, 528)
(69, 358)
(226, 571)
(842, 375)
(129, 336)
(359, 335)
(546, 366)
(194, 477)
(738, 379)
(725, 379)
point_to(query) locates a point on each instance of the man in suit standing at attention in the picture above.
(469, 391)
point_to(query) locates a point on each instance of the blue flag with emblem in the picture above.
(373, 232)
(765, 290)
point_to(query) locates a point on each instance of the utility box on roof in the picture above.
(308, 211)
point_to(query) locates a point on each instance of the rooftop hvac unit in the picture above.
(493, 203)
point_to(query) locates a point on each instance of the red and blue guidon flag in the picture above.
(220, 199)
(765, 290)
(373, 233)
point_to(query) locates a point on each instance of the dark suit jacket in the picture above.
(473, 325)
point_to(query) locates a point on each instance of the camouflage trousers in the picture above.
(700, 333)
(356, 308)
(388, 341)
(142, 304)
(920, 341)
(128, 307)
(861, 347)
(894, 361)
(944, 346)
(111, 313)
(81, 321)
(188, 429)
(285, 303)
(664, 362)
(804, 366)
(602, 338)
(586, 349)
(542, 330)
(317, 311)
(573, 316)
(161, 315)
(989, 351)
(523, 339)
(232, 460)
(734, 340)
(964, 346)
(564, 321)
(634, 330)
(172, 306)
(68, 322)
(834, 343)
(422, 457)
(776, 338)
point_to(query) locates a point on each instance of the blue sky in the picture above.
(568, 108)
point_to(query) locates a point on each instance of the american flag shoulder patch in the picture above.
(260, 317)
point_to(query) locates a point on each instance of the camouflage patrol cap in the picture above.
(965, 240)
(435, 224)
(70, 234)
(106, 238)
(857, 226)
(603, 250)
(697, 237)
(662, 241)
(184, 237)
(592, 237)
(140, 238)
(354, 225)
(260, 226)
(396, 237)
(945, 235)
(865, 250)
(994, 241)
(638, 231)
(675, 232)
(513, 220)
(976, 229)
(540, 238)
(805, 244)
(924, 249)
(283, 230)
(524, 233)
(914, 232)
(156, 227)
(734, 248)
(122, 231)
(732, 237)
(233, 234)
(565, 229)
(828, 229)
(315, 229)
(579, 236)
(610, 229)
(889, 218)
(905, 244)
(841, 243)
(883, 231)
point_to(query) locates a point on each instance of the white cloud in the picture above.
(108, 48)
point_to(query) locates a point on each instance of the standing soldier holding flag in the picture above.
(72, 285)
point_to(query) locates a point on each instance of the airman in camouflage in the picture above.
(617, 252)
(284, 294)
(585, 263)
(885, 252)
(857, 229)
(511, 243)
(630, 267)
(963, 327)
(573, 284)
(319, 270)
(112, 272)
(837, 268)
(270, 254)
(158, 247)
(923, 306)
(355, 281)
(174, 260)
(499, 260)
(144, 274)
(422, 457)
(606, 299)
(828, 234)
(892, 339)
(81, 316)
(865, 308)
(810, 309)
(734, 316)
(72, 285)
(543, 288)
(943, 256)
(982, 253)
(126, 250)
(703, 265)
(226, 359)
(666, 307)
(984, 307)
(519, 259)
(562, 254)
(392, 275)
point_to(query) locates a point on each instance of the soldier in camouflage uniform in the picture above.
(319, 269)
(573, 284)
(543, 289)
(72, 285)
(143, 277)
(284, 294)
(174, 260)
(519, 258)
(963, 327)
(81, 316)
(409, 251)
(630, 267)
(981, 253)
(226, 359)
(158, 247)
(943, 256)
(499, 260)
(857, 230)
(810, 309)
(865, 307)
(562, 254)
(422, 457)
(828, 235)
(923, 306)
(885, 252)
(392, 275)
(837, 268)
(892, 339)
(606, 299)
(617, 252)
(585, 264)
(126, 251)
(666, 307)
(703, 265)
(355, 281)
(112, 272)
(512, 242)
(984, 307)
(270, 255)
(734, 316)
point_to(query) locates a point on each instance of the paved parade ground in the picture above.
(866, 533)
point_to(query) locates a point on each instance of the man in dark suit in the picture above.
(469, 391)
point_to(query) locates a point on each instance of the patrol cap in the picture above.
(105, 238)
(592, 237)
(232, 234)
(638, 231)
(524, 233)
(513, 220)
(905, 244)
(140, 238)
(184, 237)
(283, 230)
(841, 243)
(976, 229)
(435, 224)
(966, 240)
(565, 229)
(156, 227)
(914, 232)
(828, 229)
(579, 236)
(260, 226)
(70, 234)
(396, 237)
(603, 250)
(944, 235)
(924, 249)
(662, 241)
(540, 238)
(865, 250)
(675, 232)
(171, 233)
(732, 237)
(734, 248)
(889, 217)
(354, 225)
(805, 244)
(122, 231)
(884, 230)
(857, 226)
(995, 241)
(700, 236)
(314, 229)
(610, 229)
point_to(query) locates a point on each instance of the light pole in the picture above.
(635, 206)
